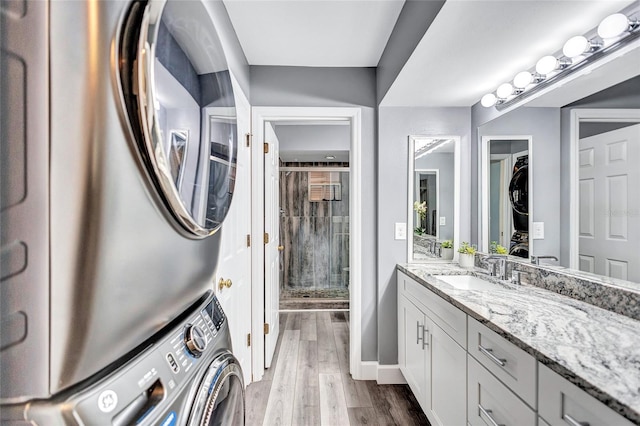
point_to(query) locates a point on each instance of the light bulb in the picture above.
(546, 65)
(576, 46)
(504, 90)
(488, 100)
(613, 25)
(522, 79)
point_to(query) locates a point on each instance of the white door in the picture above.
(235, 254)
(271, 252)
(610, 204)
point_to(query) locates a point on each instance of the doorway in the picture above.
(265, 287)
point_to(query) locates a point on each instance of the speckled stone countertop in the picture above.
(596, 349)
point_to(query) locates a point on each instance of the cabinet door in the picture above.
(448, 387)
(414, 353)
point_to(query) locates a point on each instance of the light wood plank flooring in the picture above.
(309, 381)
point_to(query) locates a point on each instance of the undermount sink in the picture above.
(467, 282)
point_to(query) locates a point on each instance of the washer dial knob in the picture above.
(195, 340)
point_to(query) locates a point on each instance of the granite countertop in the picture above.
(596, 349)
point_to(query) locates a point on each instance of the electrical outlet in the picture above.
(443, 221)
(401, 231)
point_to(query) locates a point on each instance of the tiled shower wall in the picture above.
(315, 236)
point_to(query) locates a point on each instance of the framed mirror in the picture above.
(433, 194)
(505, 171)
(605, 201)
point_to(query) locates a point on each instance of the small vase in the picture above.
(466, 260)
(447, 253)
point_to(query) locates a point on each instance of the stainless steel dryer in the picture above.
(187, 377)
(118, 166)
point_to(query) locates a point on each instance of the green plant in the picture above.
(497, 248)
(419, 231)
(447, 244)
(465, 248)
(420, 208)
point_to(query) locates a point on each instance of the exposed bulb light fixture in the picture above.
(522, 79)
(615, 25)
(578, 53)
(504, 90)
(579, 45)
(548, 64)
(488, 100)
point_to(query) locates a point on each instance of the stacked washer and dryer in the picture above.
(118, 165)
(519, 197)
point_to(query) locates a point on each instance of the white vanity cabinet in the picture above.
(561, 403)
(432, 361)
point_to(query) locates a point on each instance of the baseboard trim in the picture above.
(383, 374)
(390, 375)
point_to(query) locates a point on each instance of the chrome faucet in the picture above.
(536, 259)
(497, 261)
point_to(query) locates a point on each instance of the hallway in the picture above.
(309, 381)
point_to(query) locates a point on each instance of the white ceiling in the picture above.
(317, 33)
(475, 45)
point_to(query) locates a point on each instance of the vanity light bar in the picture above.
(614, 32)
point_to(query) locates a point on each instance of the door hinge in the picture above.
(248, 136)
(266, 148)
(266, 238)
(249, 339)
(266, 328)
(248, 240)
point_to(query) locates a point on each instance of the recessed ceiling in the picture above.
(474, 46)
(313, 33)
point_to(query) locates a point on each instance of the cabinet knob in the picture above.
(280, 248)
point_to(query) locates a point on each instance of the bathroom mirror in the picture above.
(505, 179)
(433, 194)
(605, 201)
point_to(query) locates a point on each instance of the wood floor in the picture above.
(309, 381)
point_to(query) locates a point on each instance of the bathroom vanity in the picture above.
(482, 351)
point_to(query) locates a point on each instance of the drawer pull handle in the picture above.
(489, 352)
(573, 422)
(487, 414)
(419, 336)
(425, 337)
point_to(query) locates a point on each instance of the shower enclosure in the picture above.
(314, 230)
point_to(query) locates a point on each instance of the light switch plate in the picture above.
(538, 231)
(443, 221)
(401, 231)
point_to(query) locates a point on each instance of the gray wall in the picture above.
(414, 20)
(623, 95)
(543, 124)
(313, 137)
(337, 87)
(395, 124)
(445, 164)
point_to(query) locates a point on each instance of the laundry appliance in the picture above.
(119, 146)
(519, 197)
(188, 376)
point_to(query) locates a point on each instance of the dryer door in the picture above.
(181, 105)
(220, 395)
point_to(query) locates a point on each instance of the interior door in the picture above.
(271, 252)
(610, 203)
(234, 267)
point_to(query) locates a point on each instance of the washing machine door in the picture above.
(519, 191)
(219, 397)
(179, 96)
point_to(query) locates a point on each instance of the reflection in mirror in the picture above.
(432, 197)
(177, 154)
(607, 150)
(506, 209)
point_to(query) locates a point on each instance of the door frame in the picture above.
(598, 115)
(260, 115)
(435, 172)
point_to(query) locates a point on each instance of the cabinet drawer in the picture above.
(560, 402)
(490, 402)
(451, 319)
(513, 366)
